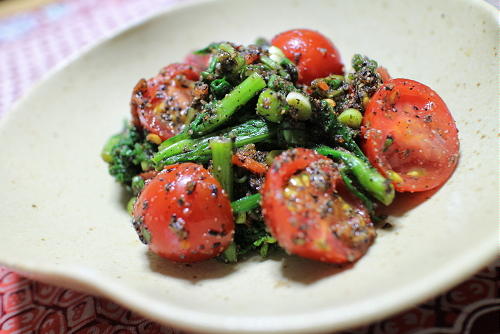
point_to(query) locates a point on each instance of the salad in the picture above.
(244, 149)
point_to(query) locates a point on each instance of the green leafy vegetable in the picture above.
(128, 154)
(220, 111)
(247, 203)
(222, 152)
(198, 150)
(368, 177)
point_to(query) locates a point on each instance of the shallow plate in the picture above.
(63, 219)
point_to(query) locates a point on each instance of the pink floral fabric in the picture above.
(31, 44)
(32, 307)
(27, 306)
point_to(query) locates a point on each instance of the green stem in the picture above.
(352, 188)
(198, 150)
(176, 148)
(369, 205)
(222, 152)
(246, 203)
(196, 157)
(271, 64)
(368, 177)
(172, 140)
(226, 107)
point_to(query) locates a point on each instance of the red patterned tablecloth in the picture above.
(32, 43)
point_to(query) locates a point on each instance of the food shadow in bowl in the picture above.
(292, 268)
(307, 272)
(191, 272)
(404, 203)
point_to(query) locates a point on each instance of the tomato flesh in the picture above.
(183, 215)
(198, 62)
(313, 53)
(410, 135)
(308, 211)
(161, 104)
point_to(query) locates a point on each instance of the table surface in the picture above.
(27, 306)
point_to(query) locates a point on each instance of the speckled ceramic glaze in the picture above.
(63, 219)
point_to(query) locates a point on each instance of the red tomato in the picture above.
(384, 74)
(183, 215)
(160, 104)
(176, 69)
(308, 211)
(198, 62)
(410, 135)
(314, 54)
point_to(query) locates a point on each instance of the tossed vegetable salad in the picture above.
(249, 148)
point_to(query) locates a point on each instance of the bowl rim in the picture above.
(357, 314)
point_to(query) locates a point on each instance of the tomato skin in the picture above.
(176, 69)
(198, 62)
(160, 104)
(425, 147)
(325, 223)
(313, 53)
(184, 214)
(384, 74)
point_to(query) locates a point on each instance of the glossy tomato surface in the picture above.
(410, 135)
(197, 61)
(160, 104)
(308, 211)
(313, 53)
(183, 215)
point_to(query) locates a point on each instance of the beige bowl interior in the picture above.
(62, 217)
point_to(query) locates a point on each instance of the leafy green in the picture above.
(253, 236)
(130, 155)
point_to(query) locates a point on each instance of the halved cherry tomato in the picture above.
(180, 69)
(198, 62)
(160, 104)
(313, 53)
(410, 135)
(384, 74)
(183, 215)
(308, 211)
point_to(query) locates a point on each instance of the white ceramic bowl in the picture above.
(62, 217)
